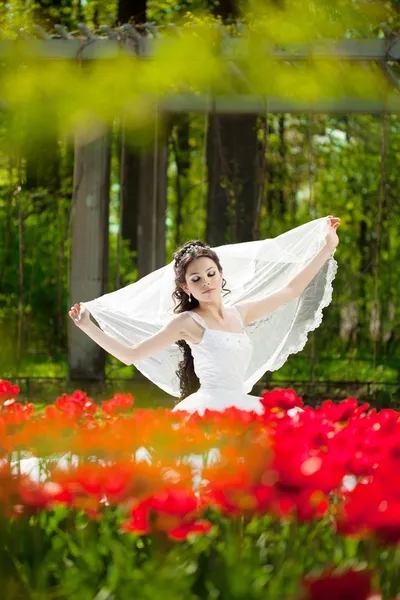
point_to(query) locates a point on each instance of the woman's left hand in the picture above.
(332, 239)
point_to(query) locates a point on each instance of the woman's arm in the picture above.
(169, 334)
(257, 309)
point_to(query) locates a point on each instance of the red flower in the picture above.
(280, 398)
(8, 484)
(344, 410)
(299, 465)
(139, 522)
(42, 495)
(181, 533)
(51, 412)
(234, 499)
(351, 585)
(174, 512)
(352, 516)
(385, 521)
(7, 391)
(177, 502)
(388, 421)
(311, 504)
(76, 406)
(120, 403)
(373, 507)
(15, 413)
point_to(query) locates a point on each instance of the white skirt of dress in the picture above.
(219, 399)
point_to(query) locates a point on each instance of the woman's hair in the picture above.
(189, 382)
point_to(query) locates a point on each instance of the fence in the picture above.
(46, 390)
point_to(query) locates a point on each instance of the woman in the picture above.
(282, 286)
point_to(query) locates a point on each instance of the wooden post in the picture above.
(89, 262)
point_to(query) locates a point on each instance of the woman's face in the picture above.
(203, 280)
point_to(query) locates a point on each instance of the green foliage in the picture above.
(170, 11)
(345, 160)
(66, 554)
(81, 95)
(310, 166)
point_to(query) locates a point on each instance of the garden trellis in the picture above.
(148, 42)
(90, 205)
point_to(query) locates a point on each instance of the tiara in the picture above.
(190, 248)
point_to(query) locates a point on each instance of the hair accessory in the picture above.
(190, 249)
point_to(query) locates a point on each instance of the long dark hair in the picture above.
(189, 382)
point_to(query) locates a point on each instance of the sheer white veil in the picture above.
(252, 270)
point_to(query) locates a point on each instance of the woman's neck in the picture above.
(213, 311)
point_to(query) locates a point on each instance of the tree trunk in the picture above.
(181, 148)
(218, 193)
(6, 242)
(365, 268)
(261, 178)
(227, 9)
(21, 272)
(132, 10)
(152, 207)
(282, 166)
(277, 201)
(64, 215)
(42, 168)
(232, 178)
(245, 149)
(130, 169)
(89, 263)
(143, 179)
(129, 194)
(232, 169)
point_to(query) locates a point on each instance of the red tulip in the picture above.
(139, 522)
(76, 406)
(120, 403)
(299, 465)
(8, 391)
(182, 532)
(343, 411)
(280, 398)
(351, 585)
(42, 495)
(179, 502)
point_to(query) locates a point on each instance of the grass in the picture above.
(298, 367)
(334, 369)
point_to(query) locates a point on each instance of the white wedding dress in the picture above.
(221, 359)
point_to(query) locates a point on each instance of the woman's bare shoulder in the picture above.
(183, 322)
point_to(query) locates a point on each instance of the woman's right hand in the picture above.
(79, 315)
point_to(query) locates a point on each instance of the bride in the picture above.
(277, 290)
(230, 333)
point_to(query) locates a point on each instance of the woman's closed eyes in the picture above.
(196, 279)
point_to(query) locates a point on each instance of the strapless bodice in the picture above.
(221, 359)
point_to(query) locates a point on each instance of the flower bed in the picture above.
(125, 503)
